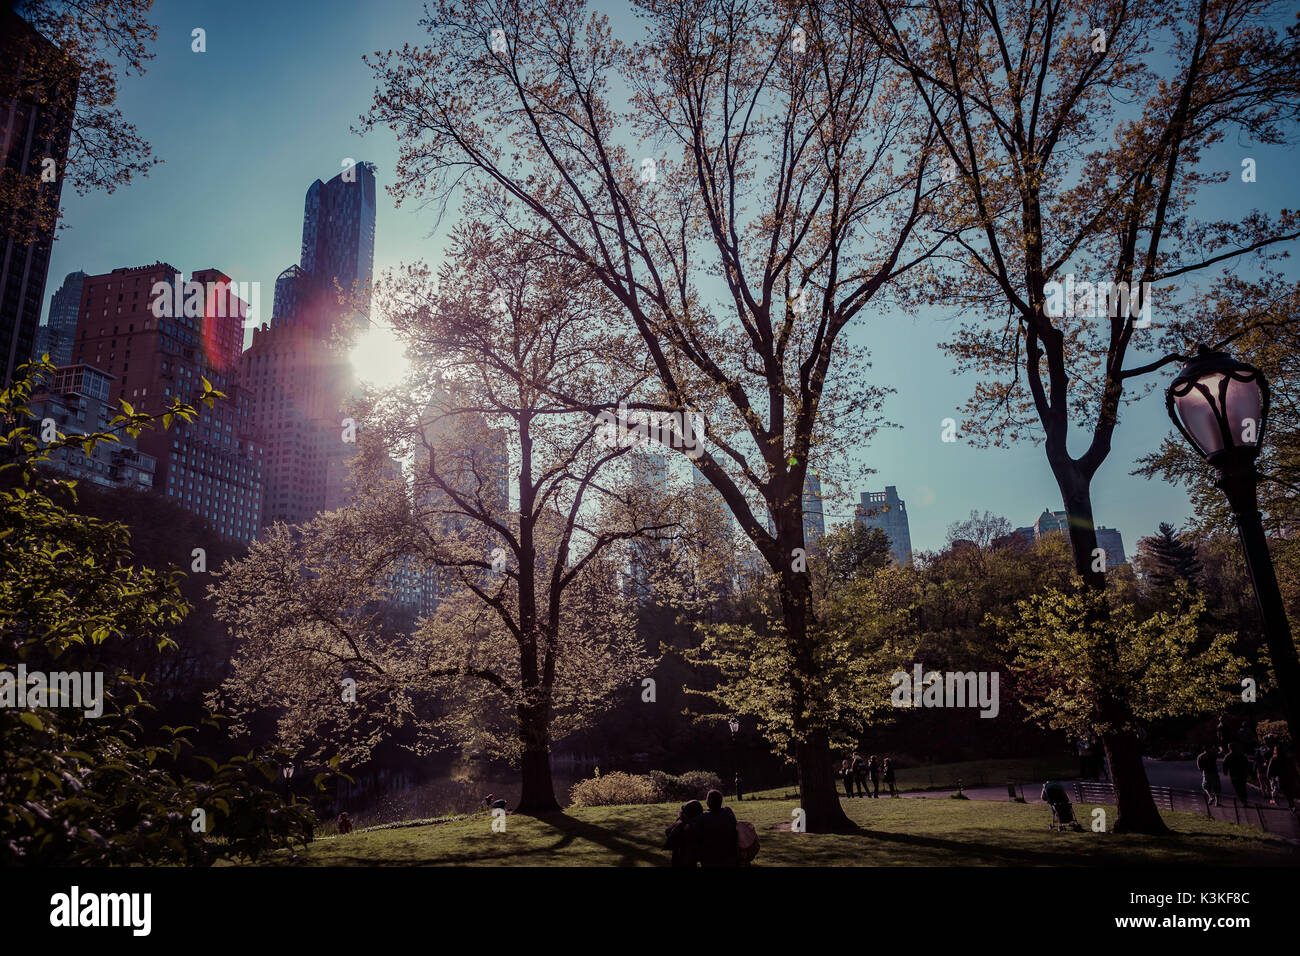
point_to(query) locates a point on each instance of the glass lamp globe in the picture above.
(1220, 406)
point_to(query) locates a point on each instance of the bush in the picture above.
(614, 788)
(692, 785)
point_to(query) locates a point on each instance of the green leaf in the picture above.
(31, 720)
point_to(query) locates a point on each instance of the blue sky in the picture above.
(245, 127)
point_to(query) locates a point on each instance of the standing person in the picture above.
(1208, 765)
(1223, 733)
(1237, 767)
(713, 834)
(1276, 771)
(1282, 770)
(873, 768)
(889, 776)
(1262, 754)
(860, 773)
(846, 774)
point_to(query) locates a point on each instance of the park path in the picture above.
(1175, 774)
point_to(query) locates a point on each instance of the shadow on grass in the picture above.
(630, 848)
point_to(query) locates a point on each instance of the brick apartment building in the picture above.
(210, 467)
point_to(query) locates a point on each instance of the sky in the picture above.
(245, 127)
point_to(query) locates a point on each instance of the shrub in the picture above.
(692, 785)
(1274, 728)
(614, 788)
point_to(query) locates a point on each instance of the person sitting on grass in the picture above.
(714, 833)
(344, 823)
(680, 839)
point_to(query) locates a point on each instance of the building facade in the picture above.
(888, 512)
(135, 326)
(38, 93)
(299, 381)
(76, 400)
(54, 338)
(814, 518)
(1049, 522)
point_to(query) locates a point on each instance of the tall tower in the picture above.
(38, 95)
(55, 336)
(887, 511)
(300, 381)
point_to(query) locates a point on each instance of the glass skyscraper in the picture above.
(338, 254)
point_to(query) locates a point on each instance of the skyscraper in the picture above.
(338, 254)
(300, 382)
(38, 96)
(885, 510)
(814, 521)
(55, 336)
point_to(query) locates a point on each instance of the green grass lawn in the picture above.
(903, 832)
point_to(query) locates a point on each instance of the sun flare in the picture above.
(378, 358)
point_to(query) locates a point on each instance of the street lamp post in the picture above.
(1220, 405)
(734, 725)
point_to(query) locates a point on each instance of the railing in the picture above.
(1279, 820)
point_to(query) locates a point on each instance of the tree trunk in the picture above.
(1136, 811)
(537, 795)
(818, 793)
(819, 797)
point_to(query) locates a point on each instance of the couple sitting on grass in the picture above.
(712, 837)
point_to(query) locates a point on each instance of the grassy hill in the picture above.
(902, 832)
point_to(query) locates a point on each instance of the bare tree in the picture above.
(743, 182)
(1069, 152)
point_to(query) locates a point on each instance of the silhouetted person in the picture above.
(889, 776)
(1282, 777)
(680, 839)
(860, 773)
(1209, 767)
(1237, 767)
(344, 823)
(713, 834)
(846, 774)
(873, 769)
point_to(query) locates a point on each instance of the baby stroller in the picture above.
(1054, 796)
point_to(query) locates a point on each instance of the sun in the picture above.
(379, 358)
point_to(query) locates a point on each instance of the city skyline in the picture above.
(254, 214)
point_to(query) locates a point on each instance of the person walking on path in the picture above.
(873, 768)
(1207, 763)
(713, 834)
(889, 776)
(1237, 769)
(1283, 776)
